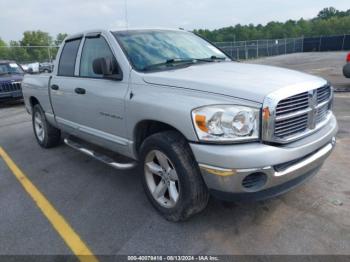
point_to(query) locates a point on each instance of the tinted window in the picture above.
(68, 57)
(93, 48)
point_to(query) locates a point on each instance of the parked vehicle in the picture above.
(196, 122)
(45, 67)
(24, 67)
(11, 75)
(346, 68)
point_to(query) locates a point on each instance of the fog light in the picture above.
(255, 181)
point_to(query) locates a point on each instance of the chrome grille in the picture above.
(323, 94)
(292, 117)
(293, 104)
(10, 86)
(291, 125)
(322, 113)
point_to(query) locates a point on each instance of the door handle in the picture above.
(55, 87)
(80, 91)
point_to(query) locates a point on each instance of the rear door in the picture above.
(62, 86)
(99, 106)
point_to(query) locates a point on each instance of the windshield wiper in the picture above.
(171, 62)
(211, 59)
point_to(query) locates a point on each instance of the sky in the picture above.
(71, 16)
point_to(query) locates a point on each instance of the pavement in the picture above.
(328, 65)
(110, 213)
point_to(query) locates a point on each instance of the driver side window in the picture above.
(93, 48)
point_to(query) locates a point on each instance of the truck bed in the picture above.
(37, 86)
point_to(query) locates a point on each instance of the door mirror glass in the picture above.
(103, 66)
(107, 67)
(98, 61)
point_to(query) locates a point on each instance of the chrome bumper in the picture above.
(225, 168)
(231, 180)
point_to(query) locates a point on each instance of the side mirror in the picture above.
(107, 67)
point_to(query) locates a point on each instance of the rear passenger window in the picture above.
(68, 57)
(96, 47)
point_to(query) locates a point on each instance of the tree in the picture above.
(59, 38)
(18, 53)
(329, 21)
(3, 50)
(327, 13)
(37, 45)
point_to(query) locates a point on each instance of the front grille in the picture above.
(10, 86)
(323, 94)
(293, 104)
(301, 113)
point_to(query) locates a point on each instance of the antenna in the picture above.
(126, 14)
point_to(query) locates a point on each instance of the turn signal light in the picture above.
(201, 123)
(266, 113)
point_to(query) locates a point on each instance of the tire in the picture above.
(346, 70)
(50, 136)
(184, 175)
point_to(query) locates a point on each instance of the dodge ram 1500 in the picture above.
(195, 122)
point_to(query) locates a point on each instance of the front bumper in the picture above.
(12, 95)
(226, 167)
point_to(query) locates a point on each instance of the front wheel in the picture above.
(171, 177)
(46, 135)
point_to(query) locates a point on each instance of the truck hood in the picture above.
(245, 81)
(10, 78)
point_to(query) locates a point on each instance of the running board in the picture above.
(101, 157)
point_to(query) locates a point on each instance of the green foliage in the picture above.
(330, 12)
(35, 46)
(59, 38)
(17, 53)
(3, 50)
(329, 21)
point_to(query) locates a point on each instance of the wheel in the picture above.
(46, 135)
(171, 176)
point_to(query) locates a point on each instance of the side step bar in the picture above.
(101, 157)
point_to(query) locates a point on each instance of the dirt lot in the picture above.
(110, 213)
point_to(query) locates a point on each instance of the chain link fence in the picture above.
(239, 50)
(243, 50)
(327, 43)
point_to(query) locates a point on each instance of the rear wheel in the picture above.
(171, 177)
(46, 135)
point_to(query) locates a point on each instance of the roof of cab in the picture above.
(81, 34)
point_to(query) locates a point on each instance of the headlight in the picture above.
(226, 123)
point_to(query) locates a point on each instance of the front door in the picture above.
(99, 102)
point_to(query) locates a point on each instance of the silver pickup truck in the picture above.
(195, 122)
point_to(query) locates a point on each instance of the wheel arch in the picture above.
(146, 128)
(33, 101)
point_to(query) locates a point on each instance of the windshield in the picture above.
(159, 48)
(10, 68)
